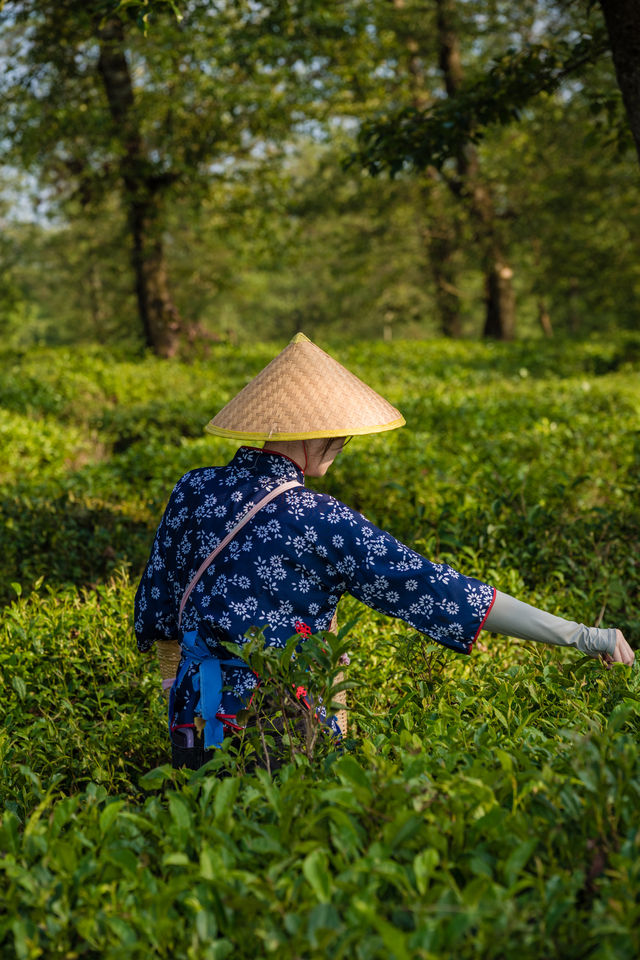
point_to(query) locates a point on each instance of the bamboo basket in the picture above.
(341, 696)
(169, 654)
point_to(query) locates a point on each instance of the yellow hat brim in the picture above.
(312, 435)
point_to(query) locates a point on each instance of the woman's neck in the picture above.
(294, 450)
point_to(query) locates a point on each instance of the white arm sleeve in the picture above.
(517, 619)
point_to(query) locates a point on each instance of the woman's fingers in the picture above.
(623, 652)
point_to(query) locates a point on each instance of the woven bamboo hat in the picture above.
(304, 393)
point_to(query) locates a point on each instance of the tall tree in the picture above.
(92, 105)
(431, 45)
(622, 18)
(144, 189)
(439, 231)
(470, 185)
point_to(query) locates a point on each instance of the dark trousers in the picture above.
(187, 746)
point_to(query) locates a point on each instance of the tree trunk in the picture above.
(499, 295)
(439, 237)
(442, 247)
(575, 320)
(500, 302)
(160, 318)
(143, 188)
(94, 285)
(622, 18)
(544, 318)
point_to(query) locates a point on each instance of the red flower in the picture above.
(303, 629)
(300, 692)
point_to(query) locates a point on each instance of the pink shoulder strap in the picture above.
(229, 537)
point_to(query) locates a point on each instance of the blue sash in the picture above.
(208, 681)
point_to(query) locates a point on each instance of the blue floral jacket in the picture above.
(291, 563)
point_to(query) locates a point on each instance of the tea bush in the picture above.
(483, 806)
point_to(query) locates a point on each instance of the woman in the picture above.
(248, 545)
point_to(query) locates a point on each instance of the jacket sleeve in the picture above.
(517, 619)
(155, 609)
(392, 578)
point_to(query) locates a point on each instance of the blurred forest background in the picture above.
(176, 174)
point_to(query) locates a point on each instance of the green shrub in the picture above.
(490, 808)
(484, 806)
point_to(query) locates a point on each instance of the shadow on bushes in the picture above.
(66, 541)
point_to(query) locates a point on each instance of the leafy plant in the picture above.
(482, 806)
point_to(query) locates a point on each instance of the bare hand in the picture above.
(622, 653)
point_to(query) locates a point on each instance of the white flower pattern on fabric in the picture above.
(291, 563)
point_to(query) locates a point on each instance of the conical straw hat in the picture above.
(304, 393)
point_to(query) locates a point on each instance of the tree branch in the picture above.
(420, 138)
